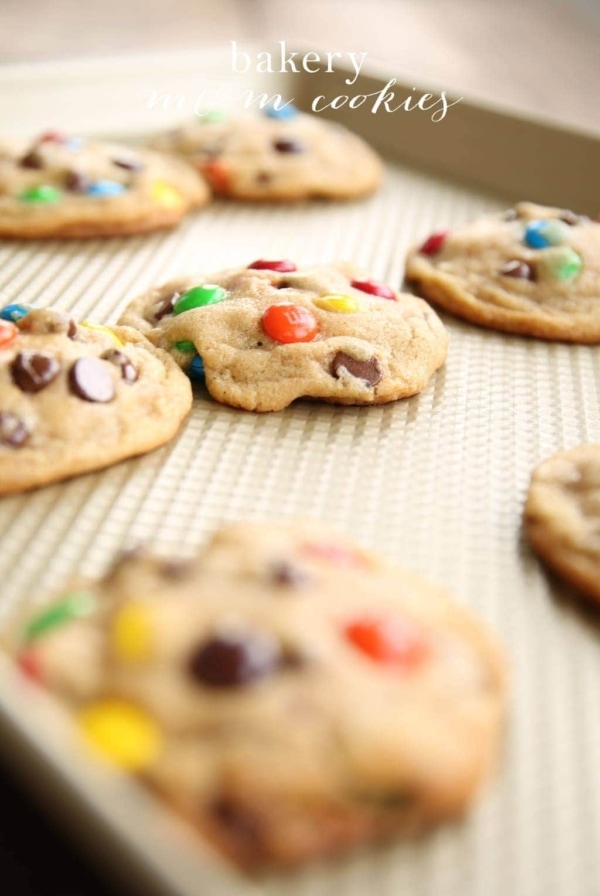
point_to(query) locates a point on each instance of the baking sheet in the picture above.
(436, 482)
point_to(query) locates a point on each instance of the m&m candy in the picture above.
(341, 304)
(217, 173)
(375, 288)
(560, 263)
(43, 193)
(434, 244)
(14, 312)
(121, 732)
(106, 188)
(75, 605)
(212, 116)
(283, 266)
(100, 328)
(166, 194)
(281, 112)
(541, 234)
(198, 297)
(8, 333)
(196, 369)
(387, 641)
(184, 345)
(288, 323)
(131, 633)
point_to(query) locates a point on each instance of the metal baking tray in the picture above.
(436, 482)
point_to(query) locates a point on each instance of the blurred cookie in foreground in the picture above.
(79, 397)
(562, 516)
(269, 333)
(281, 154)
(291, 694)
(64, 186)
(531, 270)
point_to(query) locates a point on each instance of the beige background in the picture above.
(537, 55)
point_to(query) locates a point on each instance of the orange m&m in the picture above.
(391, 642)
(8, 333)
(289, 323)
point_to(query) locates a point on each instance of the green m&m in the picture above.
(43, 193)
(185, 345)
(208, 294)
(560, 263)
(73, 606)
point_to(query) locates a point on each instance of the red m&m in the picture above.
(434, 244)
(375, 288)
(289, 323)
(284, 266)
(8, 333)
(388, 641)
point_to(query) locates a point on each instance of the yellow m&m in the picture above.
(102, 329)
(131, 635)
(122, 733)
(342, 304)
(166, 194)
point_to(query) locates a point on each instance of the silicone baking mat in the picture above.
(436, 482)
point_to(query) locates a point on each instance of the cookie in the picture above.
(532, 270)
(562, 516)
(291, 694)
(61, 186)
(281, 155)
(270, 333)
(79, 397)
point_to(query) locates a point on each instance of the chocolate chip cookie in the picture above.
(80, 397)
(291, 694)
(267, 334)
(531, 270)
(65, 186)
(279, 155)
(562, 516)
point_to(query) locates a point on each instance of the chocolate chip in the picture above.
(13, 431)
(518, 269)
(33, 371)
(129, 164)
(166, 306)
(241, 825)
(570, 218)
(511, 214)
(128, 371)
(76, 181)
(288, 145)
(369, 371)
(72, 331)
(285, 573)
(32, 160)
(233, 659)
(90, 379)
(263, 177)
(175, 570)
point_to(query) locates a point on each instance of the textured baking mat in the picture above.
(436, 482)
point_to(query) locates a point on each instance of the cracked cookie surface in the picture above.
(532, 270)
(80, 397)
(270, 333)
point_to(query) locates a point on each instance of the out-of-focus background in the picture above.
(536, 55)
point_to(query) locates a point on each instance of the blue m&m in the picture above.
(281, 112)
(106, 188)
(14, 312)
(542, 234)
(196, 369)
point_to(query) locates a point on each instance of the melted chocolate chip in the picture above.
(241, 825)
(72, 331)
(233, 659)
(32, 160)
(76, 181)
(33, 371)
(285, 573)
(129, 164)
(128, 371)
(13, 431)
(90, 379)
(166, 306)
(263, 177)
(570, 218)
(288, 145)
(518, 269)
(175, 570)
(369, 371)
